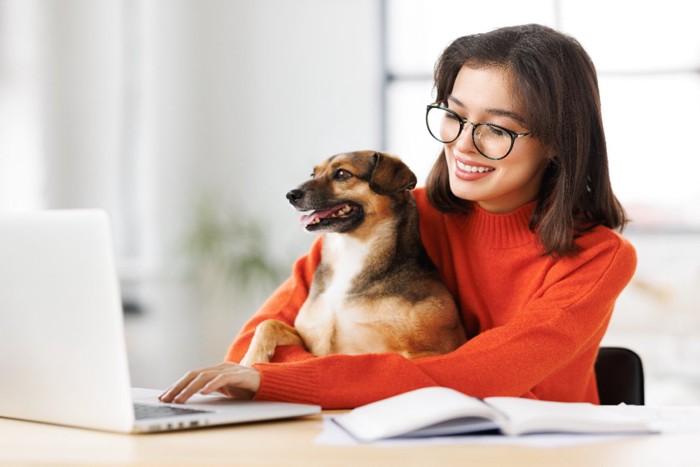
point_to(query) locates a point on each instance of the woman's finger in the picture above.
(171, 393)
(230, 379)
(195, 386)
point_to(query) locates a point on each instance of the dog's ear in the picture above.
(390, 175)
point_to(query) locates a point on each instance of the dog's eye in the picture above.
(342, 174)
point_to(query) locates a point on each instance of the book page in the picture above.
(535, 416)
(411, 411)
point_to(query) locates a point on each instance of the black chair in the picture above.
(620, 376)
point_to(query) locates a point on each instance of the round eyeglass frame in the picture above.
(462, 121)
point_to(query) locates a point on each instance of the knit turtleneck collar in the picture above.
(506, 230)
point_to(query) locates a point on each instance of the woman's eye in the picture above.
(342, 174)
(495, 131)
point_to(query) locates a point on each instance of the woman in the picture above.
(519, 217)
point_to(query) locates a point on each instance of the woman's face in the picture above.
(485, 95)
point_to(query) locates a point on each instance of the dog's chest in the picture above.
(329, 301)
(343, 260)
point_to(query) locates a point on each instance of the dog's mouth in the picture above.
(337, 218)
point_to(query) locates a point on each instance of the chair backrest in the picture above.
(620, 376)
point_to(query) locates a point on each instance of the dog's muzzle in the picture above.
(294, 196)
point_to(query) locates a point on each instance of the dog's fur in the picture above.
(376, 289)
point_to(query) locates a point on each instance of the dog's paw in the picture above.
(252, 358)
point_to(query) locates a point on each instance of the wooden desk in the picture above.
(291, 443)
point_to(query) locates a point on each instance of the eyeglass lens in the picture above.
(489, 140)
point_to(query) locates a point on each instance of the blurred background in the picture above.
(189, 120)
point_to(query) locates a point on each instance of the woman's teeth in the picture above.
(473, 169)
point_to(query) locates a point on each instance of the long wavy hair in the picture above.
(557, 82)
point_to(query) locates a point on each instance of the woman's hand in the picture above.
(230, 379)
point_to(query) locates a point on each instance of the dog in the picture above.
(375, 289)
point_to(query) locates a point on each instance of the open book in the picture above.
(436, 411)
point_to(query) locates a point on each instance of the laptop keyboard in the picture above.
(146, 411)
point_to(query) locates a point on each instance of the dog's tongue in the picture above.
(307, 219)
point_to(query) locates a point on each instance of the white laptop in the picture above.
(62, 348)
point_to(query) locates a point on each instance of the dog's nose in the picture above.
(295, 195)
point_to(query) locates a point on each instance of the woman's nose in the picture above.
(465, 140)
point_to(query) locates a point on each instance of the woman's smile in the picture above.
(471, 171)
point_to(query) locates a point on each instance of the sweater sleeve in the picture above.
(282, 305)
(533, 354)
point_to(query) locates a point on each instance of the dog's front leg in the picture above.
(268, 335)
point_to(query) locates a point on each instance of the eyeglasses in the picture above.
(492, 141)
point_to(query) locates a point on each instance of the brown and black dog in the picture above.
(375, 290)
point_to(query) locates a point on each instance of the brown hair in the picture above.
(557, 83)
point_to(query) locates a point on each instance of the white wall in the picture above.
(81, 84)
(239, 100)
(242, 98)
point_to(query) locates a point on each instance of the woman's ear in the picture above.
(390, 175)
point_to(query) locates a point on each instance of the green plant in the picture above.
(233, 246)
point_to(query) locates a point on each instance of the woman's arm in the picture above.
(547, 350)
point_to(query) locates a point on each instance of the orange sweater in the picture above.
(534, 322)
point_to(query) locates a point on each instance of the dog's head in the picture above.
(348, 188)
